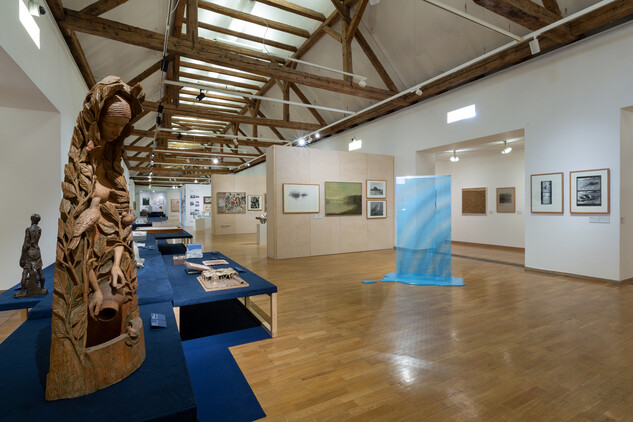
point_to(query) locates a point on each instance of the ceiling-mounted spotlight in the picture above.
(195, 181)
(235, 141)
(152, 155)
(506, 149)
(248, 164)
(535, 47)
(151, 173)
(454, 157)
(362, 83)
(164, 66)
(215, 160)
(173, 187)
(355, 144)
(160, 107)
(151, 162)
(200, 96)
(418, 92)
(301, 142)
(179, 137)
(317, 135)
(35, 9)
(158, 119)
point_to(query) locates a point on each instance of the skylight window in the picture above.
(463, 113)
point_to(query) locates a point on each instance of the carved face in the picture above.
(111, 127)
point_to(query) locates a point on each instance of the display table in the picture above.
(185, 236)
(159, 390)
(8, 302)
(188, 291)
(161, 230)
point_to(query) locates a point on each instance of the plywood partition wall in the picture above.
(236, 223)
(296, 235)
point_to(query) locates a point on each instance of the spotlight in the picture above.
(301, 142)
(362, 83)
(35, 9)
(418, 92)
(215, 160)
(158, 119)
(173, 187)
(200, 96)
(195, 181)
(179, 137)
(535, 47)
(454, 157)
(160, 108)
(235, 141)
(151, 162)
(317, 135)
(152, 156)
(151, 173)
(506, 149)
(248, 164)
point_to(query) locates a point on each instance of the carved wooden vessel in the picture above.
(97, 334)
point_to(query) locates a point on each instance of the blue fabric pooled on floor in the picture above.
(222, 393)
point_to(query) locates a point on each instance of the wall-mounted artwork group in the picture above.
(588, 192)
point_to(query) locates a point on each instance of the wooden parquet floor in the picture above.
(511, 345)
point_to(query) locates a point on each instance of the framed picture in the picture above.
(145, 201)
(175, 205)
(589, 191)
(254, 203)
(506, 200)
(300, 199)
(376, 209)
(546, 193)
(231, 202)
(376, 189)
(206, 199)
(474, 201)
(343, 198)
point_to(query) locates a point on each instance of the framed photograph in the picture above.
(175, 205)
(231, 202)
(377, 209)
(376, 189)
(343, 198)
(145, 201)
(474, 201)
(206, 199)
(589, 191)
(300, 199)
(546, 193)
(254, 203)
(506, 200)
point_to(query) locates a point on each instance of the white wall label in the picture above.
(317, 216)
(596, 219)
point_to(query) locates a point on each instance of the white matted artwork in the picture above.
(506, 200)
(546, 193)
(376, 189)
(589, 191)
(254, 203)
(300, 199)
(377, 209)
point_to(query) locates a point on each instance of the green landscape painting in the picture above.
(343, 198)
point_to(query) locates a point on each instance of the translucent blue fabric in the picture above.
(423, 231)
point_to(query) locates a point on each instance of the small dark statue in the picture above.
(31, 261)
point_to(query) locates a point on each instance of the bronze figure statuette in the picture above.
(97, 333)
(31, 262)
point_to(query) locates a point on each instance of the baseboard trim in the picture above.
(582, 277)
(488, 246)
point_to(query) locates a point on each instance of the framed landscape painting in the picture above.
(589, 191)
(376, 189)
(506, 200)
(474, 201)
(546, 193)
(231, 202)
(300, 199)
(343, 198)
(254, 202)
(377, 209)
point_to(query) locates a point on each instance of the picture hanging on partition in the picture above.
(377, 209)
(300, 199)
(206, 199)
(376, 189)
(175, 205)
(589, 191)
(231, 202)
(474, 201)
(254, 203)
(506, 200)
(546, 193)
(343, 198)
(145, 201)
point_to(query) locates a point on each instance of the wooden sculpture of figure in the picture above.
(31, 262)
(97, 333)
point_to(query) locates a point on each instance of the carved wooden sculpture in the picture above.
(97, 334)
(31, 262)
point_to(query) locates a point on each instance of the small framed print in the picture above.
(376, 209)
(506, 202)
(546, 193)
(376, 189)
(206, 199)
(254, 203)
(589, 191)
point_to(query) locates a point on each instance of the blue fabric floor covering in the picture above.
(222, 393)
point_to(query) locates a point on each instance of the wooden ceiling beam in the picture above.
(147, 72)
(179, 152)
(223, 71)
(552, 6)
(333, 34)
(179, 18)
(529, 15)
(257, 20)
(190, 91)
(305, 100)
(226, 31)
(201, 139)
(294, 8)
(219, 81)
(168, 171)
(102, 6)
(606, 15)
(358, 15)
(192, 21)
(212, 53)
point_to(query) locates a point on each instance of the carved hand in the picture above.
(118, 278)
(94, 307)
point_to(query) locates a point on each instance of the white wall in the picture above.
(31, 185)
(569, 104)
(258, 170)
(490, 171)
(626, 192)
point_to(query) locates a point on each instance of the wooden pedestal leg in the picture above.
(24, 314)
(273, 315)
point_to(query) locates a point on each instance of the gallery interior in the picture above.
(316, 210)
